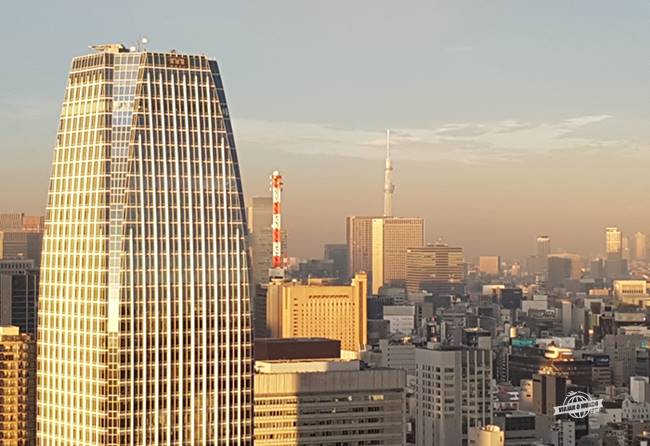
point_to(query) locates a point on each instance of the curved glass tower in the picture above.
(144, 319)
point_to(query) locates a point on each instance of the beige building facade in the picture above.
(17, 388)
(328, 402)
(316, 310)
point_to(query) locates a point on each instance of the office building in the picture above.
(310, 401)
(559, 270)
(17, 387)
(260, 216)
(615, 263)
(489, 435)
(296, 310)
(21, 245)
(144, 333)
(489, 265)
(19, 283)
(640, 246)
(548, 391)
(437, 269)
(518, 426)
(401, 318)
(338, 255)
(15, 222)
(453, 394)
(359, 241)
(391, 238)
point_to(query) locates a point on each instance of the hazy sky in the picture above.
(510, 118)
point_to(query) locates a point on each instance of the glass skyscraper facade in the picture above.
(144, 317)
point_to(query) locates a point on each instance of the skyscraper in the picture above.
(640, 245)
(359, 240)
(391, 237)
(437, 268)
(613, 242)
(543, 249)
(144, 327)
(615, 264)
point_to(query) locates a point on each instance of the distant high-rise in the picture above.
(437, 268)
(389, 187)
(338, 312)
(338, 254)
(21, 245)
(640, 246)
(144, 318)
(489, 265)
(17, 387)
(615, 264)
(613, 242)
(543, 249)
(391, 237)
(19, 283)
(359, 241)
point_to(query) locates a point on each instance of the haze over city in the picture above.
(509, 119)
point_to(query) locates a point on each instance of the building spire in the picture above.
(389, 187)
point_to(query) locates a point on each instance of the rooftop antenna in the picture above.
(142, 43)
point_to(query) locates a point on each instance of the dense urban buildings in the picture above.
(17, 387)
(316, 309)
(144, 332)
(310, 399)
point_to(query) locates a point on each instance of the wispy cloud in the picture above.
(469, 142)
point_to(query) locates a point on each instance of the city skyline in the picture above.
(483, 127)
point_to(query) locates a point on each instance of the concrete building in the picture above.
(489, 435)
(17, 388)
(489, 265)
(397, 355)
(21, 245)
(391, 238)
(453, 394)
(518, 427)
(401, 318)
(328, 402)
(19, 283)
(437, 269)
(318, 310)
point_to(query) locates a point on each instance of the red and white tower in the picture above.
(277, 266)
